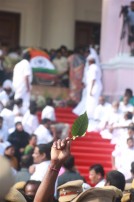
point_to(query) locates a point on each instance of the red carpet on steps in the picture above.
(87, 150)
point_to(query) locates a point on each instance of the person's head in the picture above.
(49, 102)
(115, 106)
(91, 60)
(131, 129)
(41, 153)
(30, 189)
(128, 92)
(7, 86)
(9, 151)
(130, 142)
(58, 54)
(69, 163)
(1, 122)
(26, 161)
(46, 122)
(126, 100)
(102, 100)
(128, 116)
(96, 173)
(18, 102)
(26, 56)
(33, 140)
(115, 178)
(19, 127)
(10, 104)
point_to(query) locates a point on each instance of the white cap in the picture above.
(7, 84)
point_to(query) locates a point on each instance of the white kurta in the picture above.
(21, 70)
(88, 103)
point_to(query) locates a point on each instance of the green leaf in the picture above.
(80, 125)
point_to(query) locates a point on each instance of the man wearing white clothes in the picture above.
(43, 132)
(22, 78)
(61, 129)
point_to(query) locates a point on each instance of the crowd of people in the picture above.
(37, 154)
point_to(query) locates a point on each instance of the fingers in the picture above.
(61, 144)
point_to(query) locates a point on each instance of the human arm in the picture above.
(59, 153)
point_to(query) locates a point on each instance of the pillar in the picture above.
(117, 64)
(58, 24)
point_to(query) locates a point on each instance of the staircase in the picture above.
(87, 150)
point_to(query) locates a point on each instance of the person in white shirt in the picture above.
(30, 120)
(41, 158)
(100, 115)
(61, 129)
(43, 132)
(18, 108)
(96, 175)
(125, 106)
(126, 158)
(8, 116)
(22, 78)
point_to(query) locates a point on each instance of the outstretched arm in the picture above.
(59, 153)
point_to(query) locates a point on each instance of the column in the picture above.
(117, 64)
(59, 23)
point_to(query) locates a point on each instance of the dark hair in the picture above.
(129, 115)
(45, 120)
(45, 148)
(31, 182)
(98, 168)
(18, 101)
(129, 92)
(116, 179)
(130, 138)
(26, 161)
(31, 136)
(69, 163)
(26, 56)
(33, 107)
(49, 101)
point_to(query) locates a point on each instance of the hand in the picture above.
(60, 150)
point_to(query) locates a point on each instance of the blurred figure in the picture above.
(41, 158)
(43, 132)
(22, 78)
(93, 88)
(60, 130)
(9, 153)
(30, 190)
(61, 65)
(32, 143)
(115, 178)
(30, 120)
(70, 173)
(96, 175)
(76, 68)
(8, 115)
(18, 108)
(19, 139)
